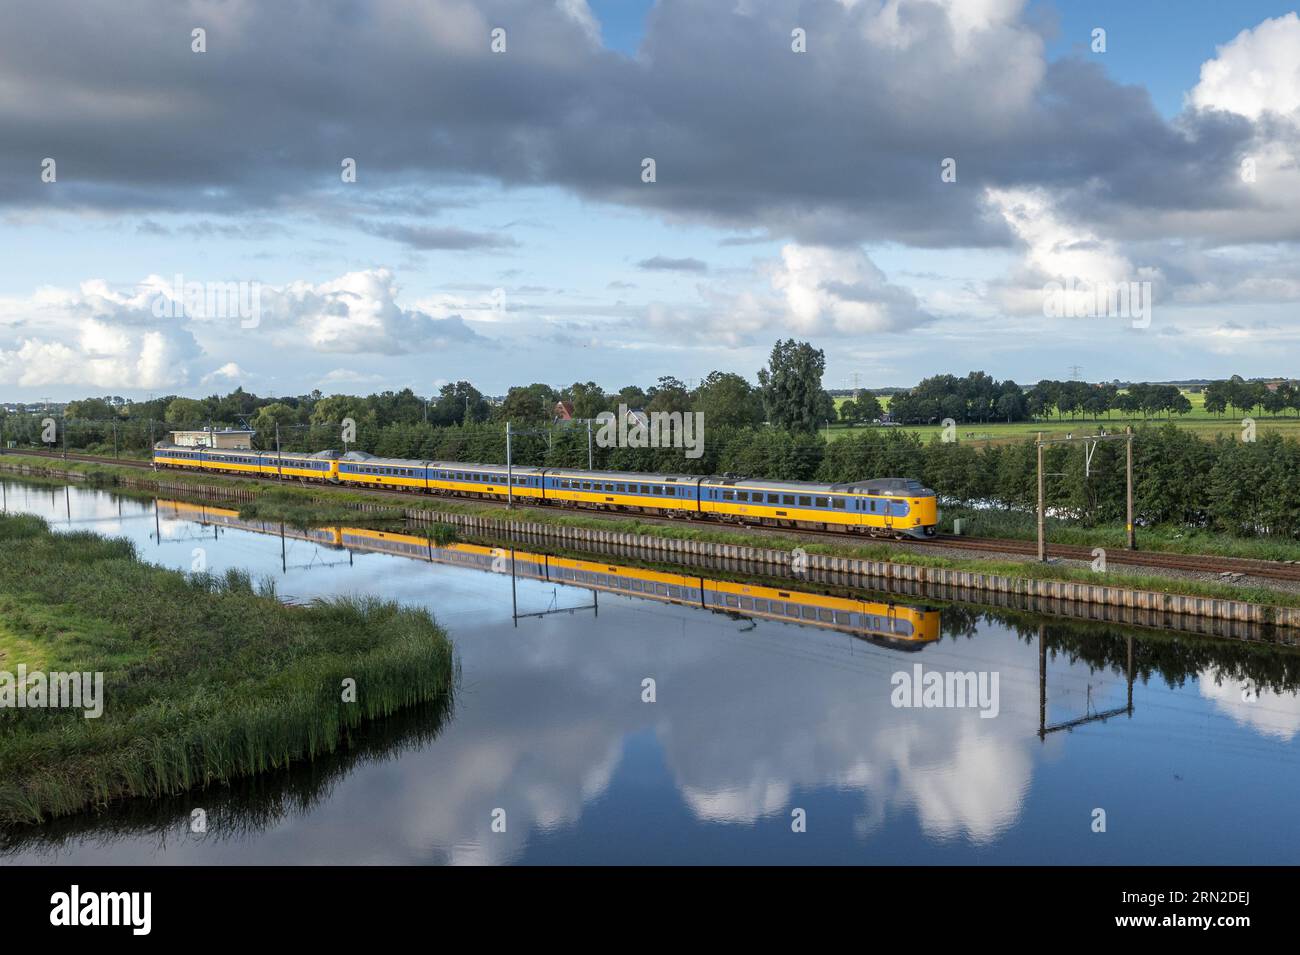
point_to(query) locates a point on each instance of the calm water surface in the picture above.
(753, 720)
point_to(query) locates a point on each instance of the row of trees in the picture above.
(789, 396)
(1247, 397)
(1077, 399)
(977, 397)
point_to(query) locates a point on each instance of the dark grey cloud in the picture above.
(660, 263)
(435, 237)
(835, 146)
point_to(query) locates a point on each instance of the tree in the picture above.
(633, 396)
(400, 407)
(187, 411)
(588, 399)
(668, 395)
(728, 400)
(460, 403)
(531, 404)
(791, 386)
(869, 408)
(91, 409)
(270, 416)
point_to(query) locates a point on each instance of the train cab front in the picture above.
(922, 521)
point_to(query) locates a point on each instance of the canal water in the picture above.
(767, 740)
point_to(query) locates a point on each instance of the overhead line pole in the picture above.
(1128, 480)
(1042, 543)
(1127, 437)
(510, 473)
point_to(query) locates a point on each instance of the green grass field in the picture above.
(1197, 420)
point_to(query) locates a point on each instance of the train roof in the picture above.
(639, 477)
(889, 487)
(488, 468)
(370, 459)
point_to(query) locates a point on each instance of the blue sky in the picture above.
(499, 229)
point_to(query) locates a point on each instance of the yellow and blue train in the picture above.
(886, 507)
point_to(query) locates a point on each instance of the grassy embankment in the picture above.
(314, 514)
(1019, 525)
(206, 679)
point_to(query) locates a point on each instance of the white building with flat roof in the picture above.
(227, 438)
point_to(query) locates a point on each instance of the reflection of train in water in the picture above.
(887, 624)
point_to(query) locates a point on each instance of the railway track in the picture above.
(1192, 563)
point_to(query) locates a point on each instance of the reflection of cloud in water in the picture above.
(800, 728)
(974, 788)
(1269, 714)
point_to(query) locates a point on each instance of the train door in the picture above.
(888, 507)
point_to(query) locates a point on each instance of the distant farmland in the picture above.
(1197, 420)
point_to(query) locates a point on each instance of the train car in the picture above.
(396, 473)
(894, 507)
(224, 461)
(292, 465)
(484, 480)
(674, 494)
(174, 456)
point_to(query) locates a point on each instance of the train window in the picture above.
(760, 606)
(586, 485)
(621, 488)
(609, 488)
(746, 603)
(728, 496)
(742, 495)
(645, 488)
(825, 616)
(732, 601)
(823, 502)
(809, 613)
(661, 589)
(674, 591)
(805, 500)
(837, 503)
(788, 499)
(774, 499)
